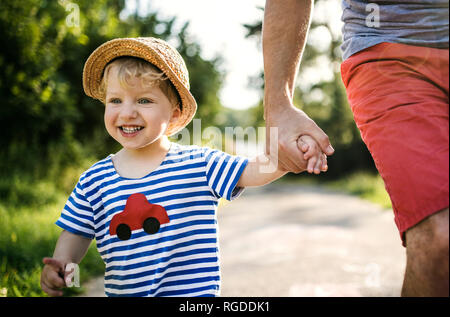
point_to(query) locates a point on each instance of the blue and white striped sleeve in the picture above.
(223, 171)
(77, 216)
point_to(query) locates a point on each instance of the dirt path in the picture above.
(290, 240)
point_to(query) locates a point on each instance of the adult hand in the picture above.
(291, 123)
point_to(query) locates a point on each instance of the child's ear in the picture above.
(176, 113)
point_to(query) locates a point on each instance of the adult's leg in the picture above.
(399, 98)
(427, 253)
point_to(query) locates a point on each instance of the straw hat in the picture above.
(153, 50)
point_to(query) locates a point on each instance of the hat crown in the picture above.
(171, 56)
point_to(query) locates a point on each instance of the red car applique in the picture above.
(138, 213)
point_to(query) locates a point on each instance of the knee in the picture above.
(440, 234)
(427, 252)
(431, 237)
(440, 246)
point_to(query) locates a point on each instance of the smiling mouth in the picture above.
(130, 129)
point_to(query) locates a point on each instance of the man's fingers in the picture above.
(321, 138)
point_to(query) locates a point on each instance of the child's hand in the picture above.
(317, 160)
(53, 276)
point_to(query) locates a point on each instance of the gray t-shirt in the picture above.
(413, 22)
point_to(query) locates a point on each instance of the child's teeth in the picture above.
(130, 129)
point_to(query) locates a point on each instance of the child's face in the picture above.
(136, 116)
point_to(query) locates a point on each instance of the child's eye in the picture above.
(114, 100)
(144, 101)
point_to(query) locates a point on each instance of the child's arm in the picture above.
(260, 171)
(70, 248)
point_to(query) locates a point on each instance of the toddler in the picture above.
(151, 207)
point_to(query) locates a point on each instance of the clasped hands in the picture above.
(302, 145)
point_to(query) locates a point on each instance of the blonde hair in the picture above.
(150, 75)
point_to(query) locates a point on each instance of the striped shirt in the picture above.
(181, 259)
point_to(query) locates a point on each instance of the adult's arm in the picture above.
(285, 28)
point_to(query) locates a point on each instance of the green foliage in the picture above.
(51, 131)
(27, 234)
(366, 185)
(205, 80)
(48, 123)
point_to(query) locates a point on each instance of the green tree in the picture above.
(325, 102)
(48, 122)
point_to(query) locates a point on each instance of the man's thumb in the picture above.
(323, 140)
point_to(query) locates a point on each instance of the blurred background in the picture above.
(52, 132)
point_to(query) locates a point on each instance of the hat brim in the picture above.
(140, 48)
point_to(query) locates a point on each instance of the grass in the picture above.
(364, 185)
(28, 233)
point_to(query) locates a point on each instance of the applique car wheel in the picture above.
(151, 225)
(123, 232)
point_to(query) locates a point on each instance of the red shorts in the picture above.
(399, 98)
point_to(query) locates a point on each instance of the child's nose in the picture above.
(128, 110)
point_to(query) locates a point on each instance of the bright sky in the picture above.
(217, 26)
